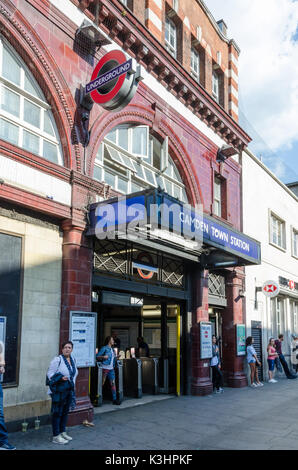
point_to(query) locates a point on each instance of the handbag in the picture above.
(47, 378)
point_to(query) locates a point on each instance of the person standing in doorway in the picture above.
(4, 444)
(278, 345)
(272, 354)
(253, 362)
(217, 378)
(108, 357)
(62, 374)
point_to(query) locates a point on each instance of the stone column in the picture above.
(233, 314)
(201, 382)
(76, 295)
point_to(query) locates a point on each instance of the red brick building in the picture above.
(58, 158)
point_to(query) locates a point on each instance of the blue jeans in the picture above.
(59, 417)
(3, 430)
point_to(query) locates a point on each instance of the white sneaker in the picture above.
(259, 384)
(253, 385)
(274, 381)
(66, 436)
(59, 440)
(271, 381)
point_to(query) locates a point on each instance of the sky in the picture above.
(266, 32)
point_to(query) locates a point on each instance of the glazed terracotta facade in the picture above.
(44, 37)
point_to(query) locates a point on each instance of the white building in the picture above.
(270, 214)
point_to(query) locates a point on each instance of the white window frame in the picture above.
(294, 236)
(37, 101)
(217, 199)
(195, 63)
(215, 86)
(275, 219)
(171, 32)
(167, 171)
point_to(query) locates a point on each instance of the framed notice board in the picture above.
(240, 340)
(206, 340)
(82, 332)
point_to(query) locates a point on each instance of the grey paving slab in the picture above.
(238, 419)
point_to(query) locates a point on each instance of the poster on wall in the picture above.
(2, 342)
(240, 340)
(206, 340)
(82, 331)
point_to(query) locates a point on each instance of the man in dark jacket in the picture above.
(278, 345)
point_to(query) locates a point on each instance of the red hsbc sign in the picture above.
(270, 288)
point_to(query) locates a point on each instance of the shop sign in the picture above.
(171, 215)
(289, 283)
(114, 81)
(270, 289)
(240, 340)
(206, 340)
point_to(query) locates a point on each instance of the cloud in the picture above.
(266, 32)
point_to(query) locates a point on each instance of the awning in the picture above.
(153, 218)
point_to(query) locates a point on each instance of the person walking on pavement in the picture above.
(253, 362)
(108, 357)
(294, 352)
(4, 444)
(272, 354)
(278, 345)
(217, 378)
(61, 378)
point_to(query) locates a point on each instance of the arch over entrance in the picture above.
(140, 115)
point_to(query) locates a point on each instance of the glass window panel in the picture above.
(112, 136)
(161, 182)
(184, 196)
(31, 113)
(122, 185)
(109, 178)
(139, 169)
(97, 173)
(114, 154)
(48, 126)
(98, 157)
(169, 170)
(123, 138)
(10, 67)
(9, 132)
(150, 177)
(140, 141)
(10, 102)
(295, 243)
(50, 151)
(30, 142)
(31, 87)
(177, 192)
(128, 162)
(135, 187)
(169, 188)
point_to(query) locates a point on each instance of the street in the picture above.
(239, 419)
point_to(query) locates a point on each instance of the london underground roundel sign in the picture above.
(114, 81)
(270, 288)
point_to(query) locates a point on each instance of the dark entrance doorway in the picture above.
(158, 322)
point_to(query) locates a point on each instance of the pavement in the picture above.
(260, 418)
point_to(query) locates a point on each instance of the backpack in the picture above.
(47, 378)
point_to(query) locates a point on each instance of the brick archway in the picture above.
(106, 121)
(27, 44)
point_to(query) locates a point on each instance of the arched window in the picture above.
(131, 159)
(26, 119)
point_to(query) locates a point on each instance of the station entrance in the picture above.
(148, 341)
